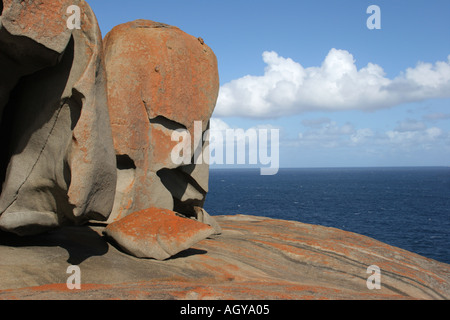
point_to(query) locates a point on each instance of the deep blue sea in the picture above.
(404, 207)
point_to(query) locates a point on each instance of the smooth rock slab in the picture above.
(253, 258)
(157, 233)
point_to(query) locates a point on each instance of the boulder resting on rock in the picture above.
(157, 233)
(160, 80)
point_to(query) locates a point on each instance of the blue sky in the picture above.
(340, 94)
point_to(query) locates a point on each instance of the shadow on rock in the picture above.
(187, 253)
(182, 254)
(81, 242)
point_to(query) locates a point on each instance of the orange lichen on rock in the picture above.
(157, 233)
(253, 258)
(58, 162)
(160, 80)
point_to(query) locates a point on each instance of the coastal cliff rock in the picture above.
(57, 164)
(160, 80)
(253, 258)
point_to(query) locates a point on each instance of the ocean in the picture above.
(405, 207)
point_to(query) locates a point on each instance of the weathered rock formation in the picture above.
(59, 166)
(157, 233)
(160, 80)
(57, 163)
(253, 258)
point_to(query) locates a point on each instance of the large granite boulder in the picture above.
(160, 80)
(57, 164)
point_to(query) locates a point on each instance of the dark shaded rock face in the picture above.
(57, 164)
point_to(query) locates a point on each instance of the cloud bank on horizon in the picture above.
(288, 88)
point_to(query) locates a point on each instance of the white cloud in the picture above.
(256, 145)
(407, 136)
(410, 125)
(415, 138)
(218, 125)
(288, 88)
(329, 134)
(361, 136)
(221, 133)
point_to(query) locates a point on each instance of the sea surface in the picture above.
(404, 207)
